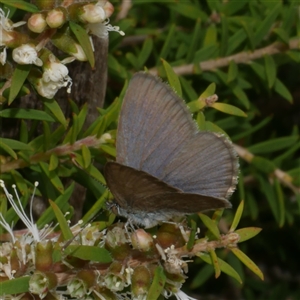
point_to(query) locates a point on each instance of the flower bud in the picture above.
(56, 18)
(141, 240)
(108, 8)
(37, 23)
(168, 235)
(92, 13)
(43, 255)
(140, 281)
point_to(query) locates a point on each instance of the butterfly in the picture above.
(165, 166)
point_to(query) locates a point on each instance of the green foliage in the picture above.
(245, 52)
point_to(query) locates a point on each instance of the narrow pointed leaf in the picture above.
(210, 224)
(232, 71)
(19, 76)
(270, 67)
(157, 285)
(48, 215)
(247, 233)
(84, 42)
(215, 263)
(86, 155)
(63, 224)
(53, 163)
(14, 286)
(55, 109)
(237, 217)
(90, 253)
(172, 78)
(282, 90)
(228, 109)
(26, 113)
(247, 262)
(224, 266)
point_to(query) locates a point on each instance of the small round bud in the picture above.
(92, 13)
(109, 9)
(141, 240)
(140, 281)
(168, 235)
(37, 23)
(56, 18)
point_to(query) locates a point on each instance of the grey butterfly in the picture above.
(165, 166)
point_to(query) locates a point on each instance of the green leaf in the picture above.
(8, 150)
(282, 90)
(210, 224)
(249, 31)
(228, 109)
(240, 94)
(186, 9)
(188, 89)
(133, 60)
(63, 224)
(247, 233)
(209, 91)
(26, 113)
(282, 34)
(53, 163)
(48, 216)
(172, 78)
(224, 266)
(55, 180)
(191, 240)
(210, 36)
(18, 78)
(205, 53)
(247, 262)
(270, 70)
(55, 109)
(109, 150)
(231, 8)
(14, 286)
(264, 28)
(224, 35)
(90, 253)
(215, 263)
(273, 145)
(232, 71)
(84, 41)
(263, 164)
(86, 155)
(21, 5)
(280, 199)
(157, 285)
(252, 129)
(235, 41)
(168, 42)
(14, 144)
(203, 275)
(237, 217)
(145, 52)
(115, 67)
(193, 45)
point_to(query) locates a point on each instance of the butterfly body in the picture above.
(165, 167)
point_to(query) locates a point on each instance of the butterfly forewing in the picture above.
(154, 125)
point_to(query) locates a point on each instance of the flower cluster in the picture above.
(52, 24)
(54, 268)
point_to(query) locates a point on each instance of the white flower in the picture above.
(47, 89)
(57, 72)
(7, 24)
(36, 235)
(25, 55)
(101, 29)
(3, 56)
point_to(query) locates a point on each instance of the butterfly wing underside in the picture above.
(156, 134)
(136, 190)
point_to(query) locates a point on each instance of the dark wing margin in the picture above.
(129, 185)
